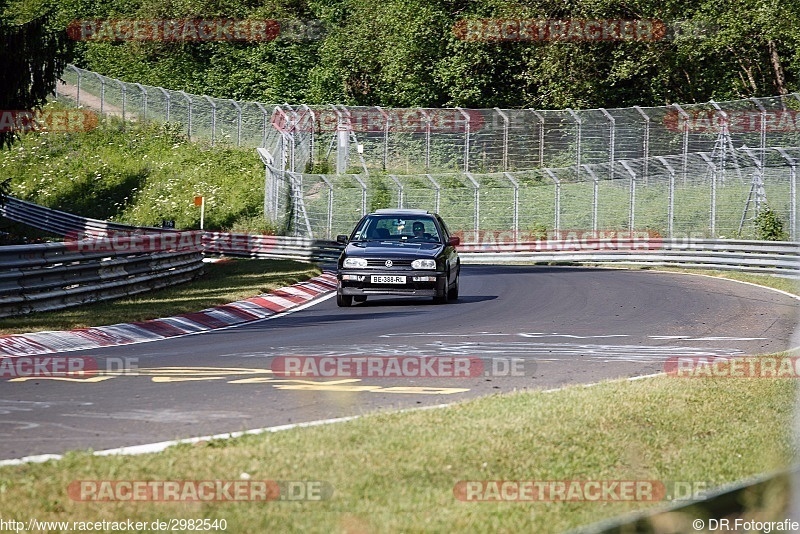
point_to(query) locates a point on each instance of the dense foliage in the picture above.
(410, 53)
(33, 54)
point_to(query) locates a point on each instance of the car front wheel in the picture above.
(453, 291)
(444, 296)
(344, 301)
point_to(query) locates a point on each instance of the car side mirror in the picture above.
(454, 241)
(341, 238)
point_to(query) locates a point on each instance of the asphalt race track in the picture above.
(561, 325)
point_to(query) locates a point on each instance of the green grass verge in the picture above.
(789, 285)
(396, 472)
(140, 174)
(221, 283)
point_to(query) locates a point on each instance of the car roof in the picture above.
(400, 211)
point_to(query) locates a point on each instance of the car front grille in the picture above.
(396, 264)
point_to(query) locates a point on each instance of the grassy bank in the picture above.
(396, 472)
(138, 174)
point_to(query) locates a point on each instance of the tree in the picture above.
(33, 55)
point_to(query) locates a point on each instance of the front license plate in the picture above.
(388, 279)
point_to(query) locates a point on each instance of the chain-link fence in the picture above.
(341, 139)
(705, 169)
(670, 196)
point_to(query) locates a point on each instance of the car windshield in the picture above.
(400, 229)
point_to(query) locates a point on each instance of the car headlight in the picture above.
(355, 262)
(423, 264)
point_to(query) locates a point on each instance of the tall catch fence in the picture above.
(706, 169)
(652, 195)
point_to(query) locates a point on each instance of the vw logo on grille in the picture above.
(388, 263)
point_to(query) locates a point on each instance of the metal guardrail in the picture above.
(63, 223)
(765, 497)
(768, 257)
(111, 260)
(267, 246)
(59, 275)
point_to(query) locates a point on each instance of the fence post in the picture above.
(505, 137)
(123, 91)
(466, 138)
(477, 201)
(596, 190)
(188, 114)
(168, 98)
(427, 138)
(558, 198)
(438, 194)
(516, 203)
(725, 137)
(213, 118)
(330, 206)
(792, 192)
(685, 116)
(144, 101)
(399, 191)
(671, 197)
(342, 142)
(265, 114)
(311, 137)
(385, 136)
(269, 185)
(102, 92)
(632, 214)
(713, 167)
(763, 110)
(363, 194)
(541, 135)
(645, 142)
(238, 122)
(80, 76)
(612, 122)
(578, 124)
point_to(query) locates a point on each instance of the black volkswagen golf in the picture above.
(398, 252)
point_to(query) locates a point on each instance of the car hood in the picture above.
(393, 249)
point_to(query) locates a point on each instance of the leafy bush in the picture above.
(769, 227)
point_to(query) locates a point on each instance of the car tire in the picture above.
(453, 292)
(344, 301)
(360, 298)
(444, 297)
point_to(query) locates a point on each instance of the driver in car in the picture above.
(419, 230)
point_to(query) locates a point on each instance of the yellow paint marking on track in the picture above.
(423, 390)
(266, 379)
(323, 386)
(91, 379)
(166, 375)
(164, 379)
